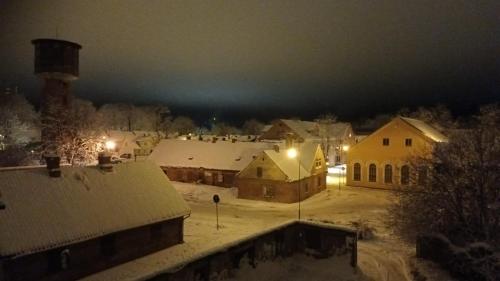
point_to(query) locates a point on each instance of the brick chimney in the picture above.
(53, 162)
(104, 160)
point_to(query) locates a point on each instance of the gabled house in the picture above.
(274, 176)
(212, 162)
(335, 138)
(69, 222)
(381, 160)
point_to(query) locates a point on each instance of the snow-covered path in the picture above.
(380, 259)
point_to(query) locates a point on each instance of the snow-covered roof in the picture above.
(302, 128)
(426, 129)
(44, 212)
(125, 141)
(290, 166)
(221, 155)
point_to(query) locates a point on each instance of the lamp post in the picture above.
(292, 153)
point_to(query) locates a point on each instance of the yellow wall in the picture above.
(370, 150)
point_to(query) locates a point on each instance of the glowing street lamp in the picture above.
(292, 153)
(110, 145)
(345, 147)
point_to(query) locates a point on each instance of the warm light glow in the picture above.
(292, 153)
(110, 145)
(345, 148)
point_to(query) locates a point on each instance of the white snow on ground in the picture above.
(383, 258)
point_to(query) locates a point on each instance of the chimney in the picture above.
(105, 162)
(53, 162)
(276, 148)
(214, 139)
(233, 140)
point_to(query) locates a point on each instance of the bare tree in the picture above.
(454, 191)
(183, 125)
(252, 127)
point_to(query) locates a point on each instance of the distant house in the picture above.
(70, 222)
(274, 176)
(382, 159)
(213, 162)
(130, 144)
(335, 138)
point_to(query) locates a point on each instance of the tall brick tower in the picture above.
(56, 63)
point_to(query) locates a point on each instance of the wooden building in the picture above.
(381, 160)
(81, 220)
(274, 176)
(213, 162)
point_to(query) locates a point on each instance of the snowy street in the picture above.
(381, 258)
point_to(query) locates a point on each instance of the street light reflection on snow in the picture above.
(110, 145)
(291, 153)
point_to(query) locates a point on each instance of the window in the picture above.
(318, 182)
(268, 191)
(58, 260)
(407, 142)
(405, 174)
(259, 172)
(372, 173)
(108, 245)
(317, 163)
(220, 177)
(337, 158)
(306, 188)
(388, 174)
(357, 172)
(385, 141)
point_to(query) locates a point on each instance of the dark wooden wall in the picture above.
(96, 254)
(201, 175)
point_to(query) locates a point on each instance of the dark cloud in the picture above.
(268, 57)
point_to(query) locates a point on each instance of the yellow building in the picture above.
(381, 159)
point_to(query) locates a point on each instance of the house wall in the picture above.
(88, 257)
(284, 192)
(221, 178)
(371, 151)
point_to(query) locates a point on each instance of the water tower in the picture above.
(56, 63)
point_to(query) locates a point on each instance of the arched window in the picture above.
(405, 174)
(372, 173)
(357, 172)
(388, 173)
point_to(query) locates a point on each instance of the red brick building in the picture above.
(207, 162)
(81, 220)
(274, 176)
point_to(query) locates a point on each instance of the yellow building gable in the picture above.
(381, 159)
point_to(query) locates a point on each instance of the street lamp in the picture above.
(292, 153)
(110, 145)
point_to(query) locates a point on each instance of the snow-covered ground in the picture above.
(382, 258)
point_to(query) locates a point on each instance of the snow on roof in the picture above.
(222, 155)
(426, 129)
(125, 141)
(302, 128)
(44, 212)
(266, 128)
(289, 166)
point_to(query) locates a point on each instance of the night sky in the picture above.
(265, 58)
